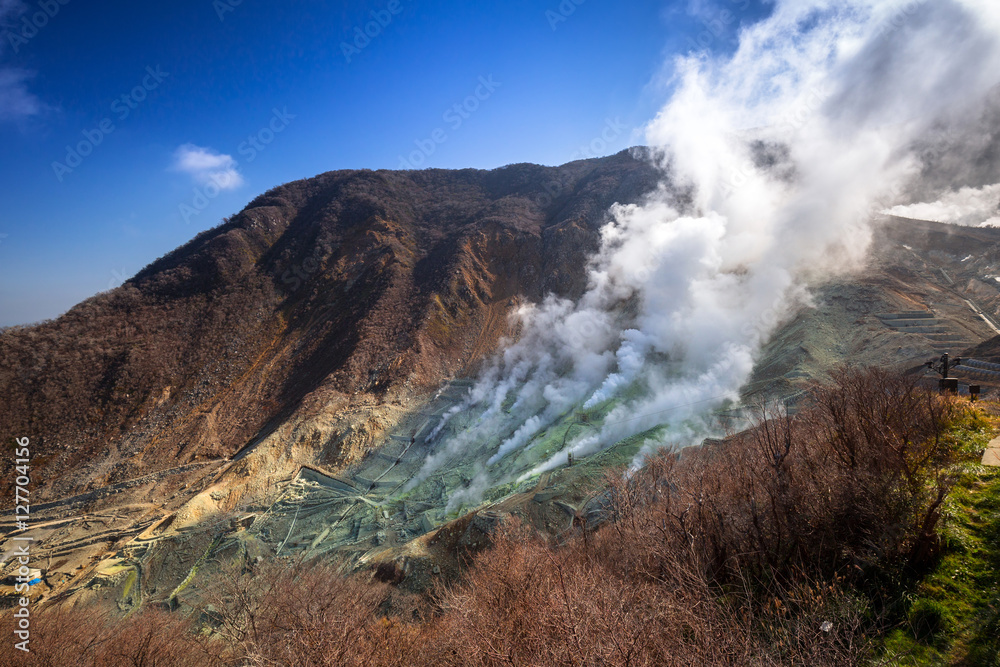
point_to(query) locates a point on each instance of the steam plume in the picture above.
(790, 143)
(968, 206)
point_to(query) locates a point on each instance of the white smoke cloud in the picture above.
(968, 206)
(791, 143)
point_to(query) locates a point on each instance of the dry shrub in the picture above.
(853, 482)
(811, 513)
(75, 637)
(309, 615)
(527, 603)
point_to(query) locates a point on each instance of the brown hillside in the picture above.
(363, 287)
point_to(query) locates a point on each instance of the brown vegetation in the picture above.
(852, 483)
(784, 545)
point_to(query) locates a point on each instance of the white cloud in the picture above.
(16, 102)
(207, 166)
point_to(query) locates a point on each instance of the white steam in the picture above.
(977, 207)
(790, 143)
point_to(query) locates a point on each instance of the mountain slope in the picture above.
(368, 285)
(271, 387)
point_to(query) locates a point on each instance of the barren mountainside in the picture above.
(353, 287)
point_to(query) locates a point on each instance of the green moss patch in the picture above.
(953, 616)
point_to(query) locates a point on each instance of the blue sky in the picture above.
(177, 114)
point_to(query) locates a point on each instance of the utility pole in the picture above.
(943, 367)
